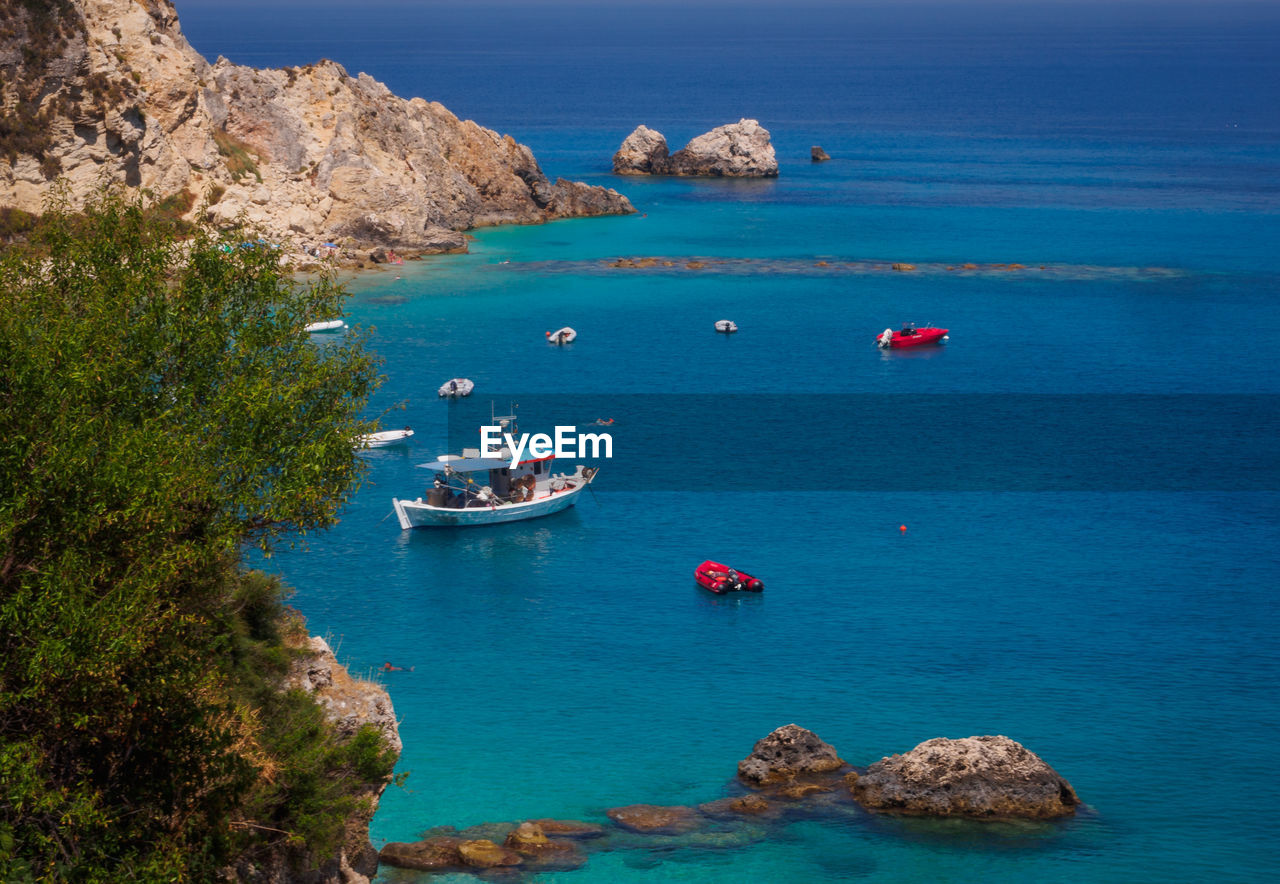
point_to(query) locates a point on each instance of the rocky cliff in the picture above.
(111, 88)
(348, 704)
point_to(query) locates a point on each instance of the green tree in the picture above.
(160, 407)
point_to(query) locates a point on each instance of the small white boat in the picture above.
(328, 325)
(456, 388)
(726, 326)
(564, 336)
(383, 438)
(473, 490)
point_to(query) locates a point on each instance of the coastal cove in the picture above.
(1125, 634)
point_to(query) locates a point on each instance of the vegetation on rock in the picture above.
(160, 408)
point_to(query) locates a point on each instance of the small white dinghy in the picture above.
(383, 438)
(726, 326)
(564, 336)
(329, 325)
(456, 388)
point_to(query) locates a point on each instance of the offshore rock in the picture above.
(541, 852)
(786, 753)
(308, 154)
(484, 854)
(742, 806)
(655, 820)
(738, 150)
(643, 152)
(818, 155)
(574, 829)
(430, 855)
(990, 776)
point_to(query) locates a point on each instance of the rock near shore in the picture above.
(990, 776)
(111, 88)
(788, 752)
(738, 150)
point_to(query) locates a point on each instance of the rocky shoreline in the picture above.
(110, 90)
(790, 774)
(349, 704)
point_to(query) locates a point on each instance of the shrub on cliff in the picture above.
(160, 407)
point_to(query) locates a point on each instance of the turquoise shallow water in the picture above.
(1127, 635)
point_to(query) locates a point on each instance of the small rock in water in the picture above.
(818, 155)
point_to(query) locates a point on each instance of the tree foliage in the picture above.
(160, 407)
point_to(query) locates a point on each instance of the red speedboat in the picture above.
(721, 579)
(910, 336)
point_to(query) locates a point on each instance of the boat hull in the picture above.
(716, 578)
(384, 438)
(922, 337)
(416, 514)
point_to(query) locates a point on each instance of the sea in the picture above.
(1062, 526)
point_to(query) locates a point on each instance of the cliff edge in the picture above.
(349, 704)
(111, 88)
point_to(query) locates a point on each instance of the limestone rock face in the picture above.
(349, 704)
(310, 153)
(989, 776)
(787, 752)
(643, 152)
(738, 150)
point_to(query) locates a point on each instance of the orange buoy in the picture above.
(902, 529)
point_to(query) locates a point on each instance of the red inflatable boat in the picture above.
(721, 579)
(910, 336)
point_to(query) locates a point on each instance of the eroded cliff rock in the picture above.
(738, 150)
(349, 704)
(112, 88)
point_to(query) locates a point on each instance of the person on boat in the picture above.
(387, 667)
(453, 386)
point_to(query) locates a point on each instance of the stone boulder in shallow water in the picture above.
(738, 150)
(652, 819)
(787, 752)
(972, 777)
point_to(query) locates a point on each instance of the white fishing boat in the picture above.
(726, 326)
(328, 325)
(468, 489)
(383, 438)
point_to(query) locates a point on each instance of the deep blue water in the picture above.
(1129, 158)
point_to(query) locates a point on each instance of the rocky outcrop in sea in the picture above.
(791, 774)
(989, 776)
(738, 150)
(95, 88)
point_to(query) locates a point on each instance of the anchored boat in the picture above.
(383, 438)
(722, 579)
(468, 489)
(910, 336)
(327, 325)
